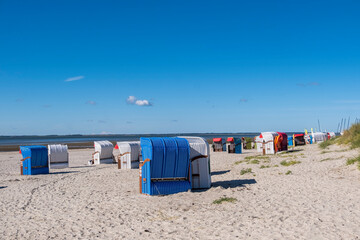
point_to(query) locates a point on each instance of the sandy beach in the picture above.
(318, 199)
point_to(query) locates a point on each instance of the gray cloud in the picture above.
(244, 100)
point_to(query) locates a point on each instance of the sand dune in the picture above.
(319, 200)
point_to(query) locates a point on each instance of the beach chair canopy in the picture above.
(166, 166)
(35, 160)
(58, 156)
(268, 136)
(104, 148)
(129, 154)
(217, 140)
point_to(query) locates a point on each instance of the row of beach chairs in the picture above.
(167, 165)
(231, 145)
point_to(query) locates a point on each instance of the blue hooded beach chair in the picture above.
(166, 166)
(291, 141)
(35, 160)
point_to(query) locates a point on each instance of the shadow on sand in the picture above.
(233, 183)
(65, 172)
(219, 172)
(2, 187)
(295, 150)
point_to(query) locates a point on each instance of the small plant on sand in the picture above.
(288, 172)
(327, 143)
(351, 161)
(263, 166)
(258, 157)
(323, 152)
(255, 161)
(276, 165)
(245, 171)
(224, 199)
(289, 163)
(238, 162)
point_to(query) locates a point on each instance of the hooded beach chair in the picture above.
(281, 142)
(200, 162)
(267, 139)
(299, 139)
(103, 152)
(35, 160)
(320, 137)
(166, 168)
(58, 156)
(219, 145)
(234, 145)
(129, 154)
(291, 141)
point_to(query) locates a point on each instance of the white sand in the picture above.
(319, 200)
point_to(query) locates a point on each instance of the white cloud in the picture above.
(133, 100)
(74, 78)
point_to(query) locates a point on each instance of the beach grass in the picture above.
(288, 172)
(289, 163)
(351, 161)
(254, 161)
(258, 157)
(224, 199)
(351, 136)
(264, 166)
(245, 171)
(326, 144)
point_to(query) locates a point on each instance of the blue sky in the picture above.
(69, 67)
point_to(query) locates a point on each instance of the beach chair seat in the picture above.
(35, 160)
(166, 167)
(58, 156)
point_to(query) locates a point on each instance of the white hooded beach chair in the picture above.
(200, 162)
(268, 142)
(320, 137)
(58, 156)
(129, 156)
(103, 152)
